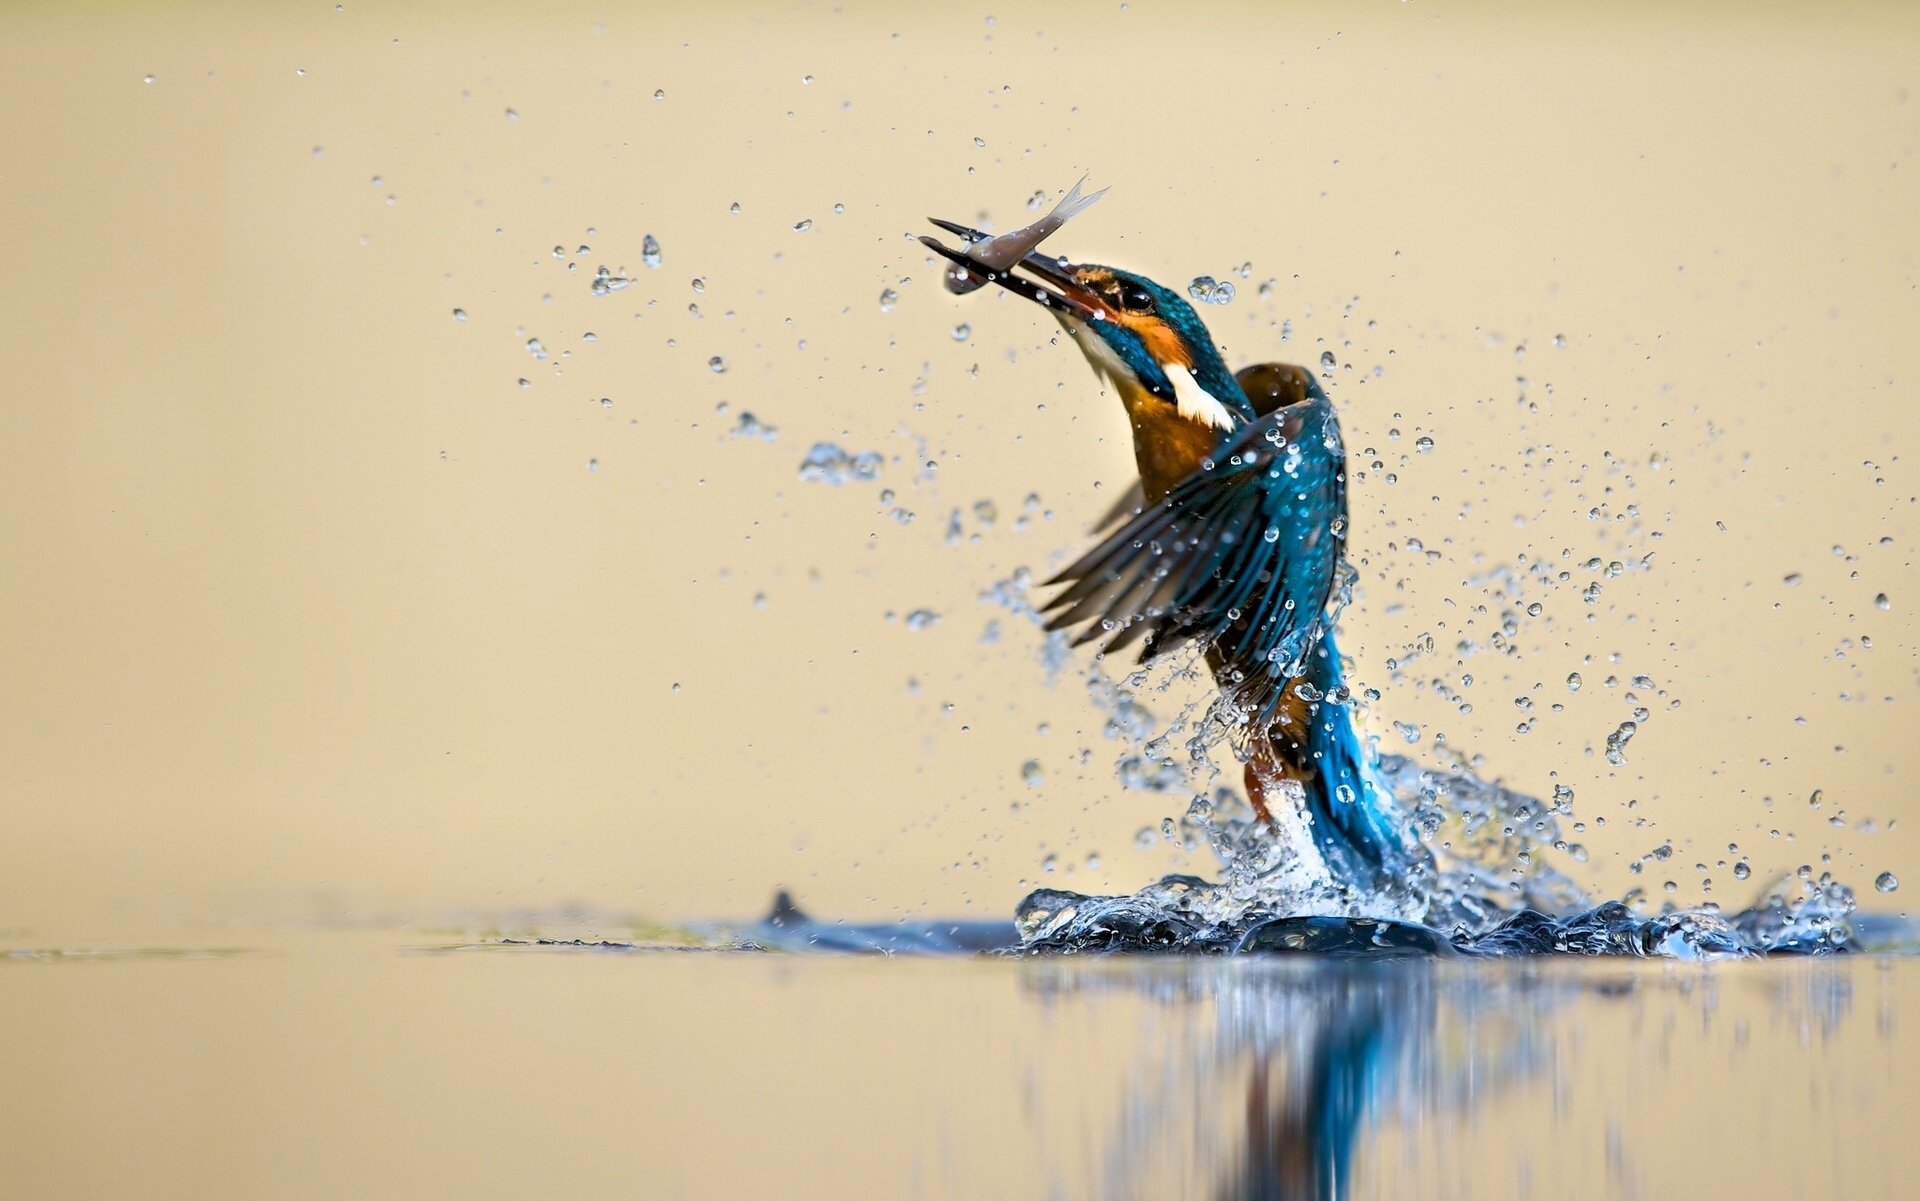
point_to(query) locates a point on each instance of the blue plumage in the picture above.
(1236, 550)
(1240, 557)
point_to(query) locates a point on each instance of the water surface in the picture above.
(328, 1065)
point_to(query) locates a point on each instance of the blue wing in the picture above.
(1240, 557)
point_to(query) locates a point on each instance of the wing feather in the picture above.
(1240, 557)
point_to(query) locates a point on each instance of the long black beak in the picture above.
(1067, 294)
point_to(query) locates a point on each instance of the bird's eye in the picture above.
(1136, 299)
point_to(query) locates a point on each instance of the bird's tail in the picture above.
(1361, 832)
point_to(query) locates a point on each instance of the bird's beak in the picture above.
(1067, 294)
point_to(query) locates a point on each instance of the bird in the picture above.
(1237, 547)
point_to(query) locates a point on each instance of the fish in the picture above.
(1001, 253)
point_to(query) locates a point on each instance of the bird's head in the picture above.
(1144, 338)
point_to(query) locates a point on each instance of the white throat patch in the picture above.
(1190, 399)
(1194, 402)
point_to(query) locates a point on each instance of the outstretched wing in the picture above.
(1240, 557)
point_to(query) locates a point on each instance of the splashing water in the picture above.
(827, 463)
(1474, 882)
(1487, 893)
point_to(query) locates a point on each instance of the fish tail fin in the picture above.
(1073, 203)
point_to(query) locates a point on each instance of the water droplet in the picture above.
(1327, 360)
(888, 299)
(1207, 290)
(829, 464)
(962, 332)
(606, 282)
(806, 81)
(1792, 580)
(1742, 870)
(1272, 534)
(650, 251)
(1408, 731)
(801, 227)
(1559, 341)
(717, 365)
(839, 208)
(1536, 609)
(459, 314)
(922, 619)
(1881, 602)
(593, 464)
(699, 284)
(1423, 444)
(981, 142)
(1886, 882)
(1617, 743)
(734, 209)
(511, 114)
(750, 426)
(659, 94)
(536, 348)
(146, 79)
(1031, 775)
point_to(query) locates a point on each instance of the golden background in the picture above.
(310, 610)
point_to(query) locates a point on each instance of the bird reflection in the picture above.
(1303, 1120)
(1284, 1069)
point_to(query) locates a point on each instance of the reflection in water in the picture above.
(1289, 1068)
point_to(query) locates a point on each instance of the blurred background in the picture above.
(361, 559)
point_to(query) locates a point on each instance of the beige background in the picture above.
(308, 610)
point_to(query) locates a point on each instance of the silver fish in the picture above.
(998, 254)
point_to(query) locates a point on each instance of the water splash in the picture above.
(750, 426)
(1191, 915)
(1482, 885)
(1207, 290)
(1487, 893)
(827, 463)
(606, 282)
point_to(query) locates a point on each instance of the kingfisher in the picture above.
(1236, 548)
